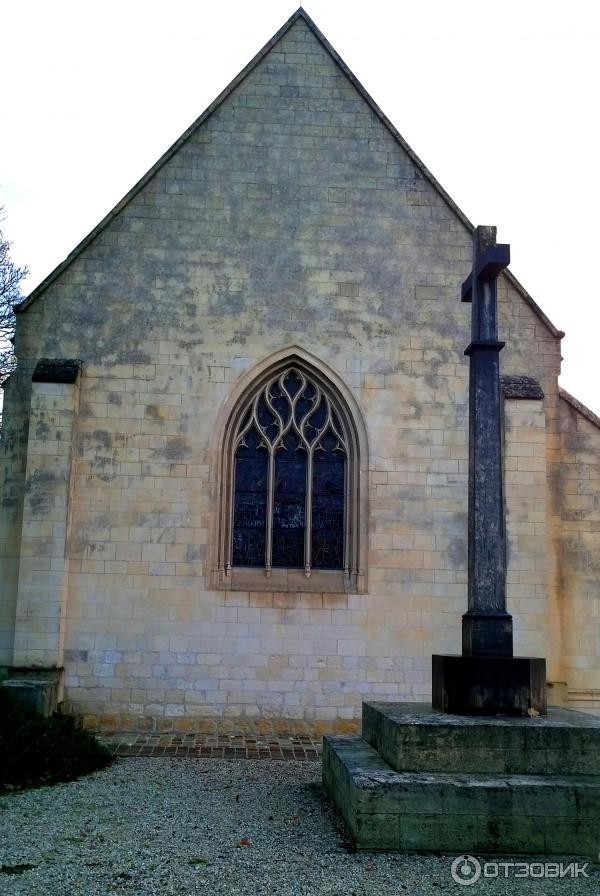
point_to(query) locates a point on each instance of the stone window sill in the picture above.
(329, 581)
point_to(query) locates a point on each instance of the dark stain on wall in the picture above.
(39, 489)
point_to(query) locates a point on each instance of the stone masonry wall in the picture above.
(292, 216)
(40, 617)
(13, 447)
(580, 554)
(526, 495)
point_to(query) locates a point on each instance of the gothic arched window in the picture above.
(292, 457)
(290, 482)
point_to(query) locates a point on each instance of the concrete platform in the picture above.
(447, 808)
(414, 737)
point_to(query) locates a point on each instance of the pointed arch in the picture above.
(339, 421)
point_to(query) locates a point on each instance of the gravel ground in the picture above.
(187, 826)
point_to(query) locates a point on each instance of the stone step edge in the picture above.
(373, 769)
(423, 715)
(421, 718)
(429, 813)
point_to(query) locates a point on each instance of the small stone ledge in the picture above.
(521, 387)
(56, 370)
(289, 581)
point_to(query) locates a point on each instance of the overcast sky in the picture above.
(499, 100)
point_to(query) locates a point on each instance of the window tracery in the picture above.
(290, 491)
(290, 451)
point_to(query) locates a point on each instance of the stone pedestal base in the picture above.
(500, 685)
(38, 689)
(487, 633)
(420, 781)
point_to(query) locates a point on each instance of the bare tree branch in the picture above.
(11, 277)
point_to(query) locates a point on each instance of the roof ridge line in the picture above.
(300, 13)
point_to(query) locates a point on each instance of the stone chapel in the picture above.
(234, 450)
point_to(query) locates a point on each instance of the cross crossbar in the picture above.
(489, 264)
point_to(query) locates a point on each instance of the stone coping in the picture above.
(423, 714)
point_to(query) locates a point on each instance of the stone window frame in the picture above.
(353, 579)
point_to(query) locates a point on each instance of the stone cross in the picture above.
(487, 627)
(487, 679)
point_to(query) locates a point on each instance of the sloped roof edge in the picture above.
(578, 406)
(299, 14)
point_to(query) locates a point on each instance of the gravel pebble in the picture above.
(187, 826)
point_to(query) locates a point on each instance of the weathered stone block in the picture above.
(443, 812)
(415, 737)
(573, 836)
(519, 834)
(437, 833)
(40, 695)
(482, 685)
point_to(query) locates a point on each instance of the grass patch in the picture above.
(35, 750)
(16, 869)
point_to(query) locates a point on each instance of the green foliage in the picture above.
(16, 869)
(36, 751)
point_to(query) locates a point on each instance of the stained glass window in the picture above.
(249, 512)
(290, 479)
(289, 503)
(328, 506)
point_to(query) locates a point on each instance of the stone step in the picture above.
(413, 737)
(459, 813)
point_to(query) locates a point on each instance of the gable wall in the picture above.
(291, 217)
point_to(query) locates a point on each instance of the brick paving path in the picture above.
(211, 746)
